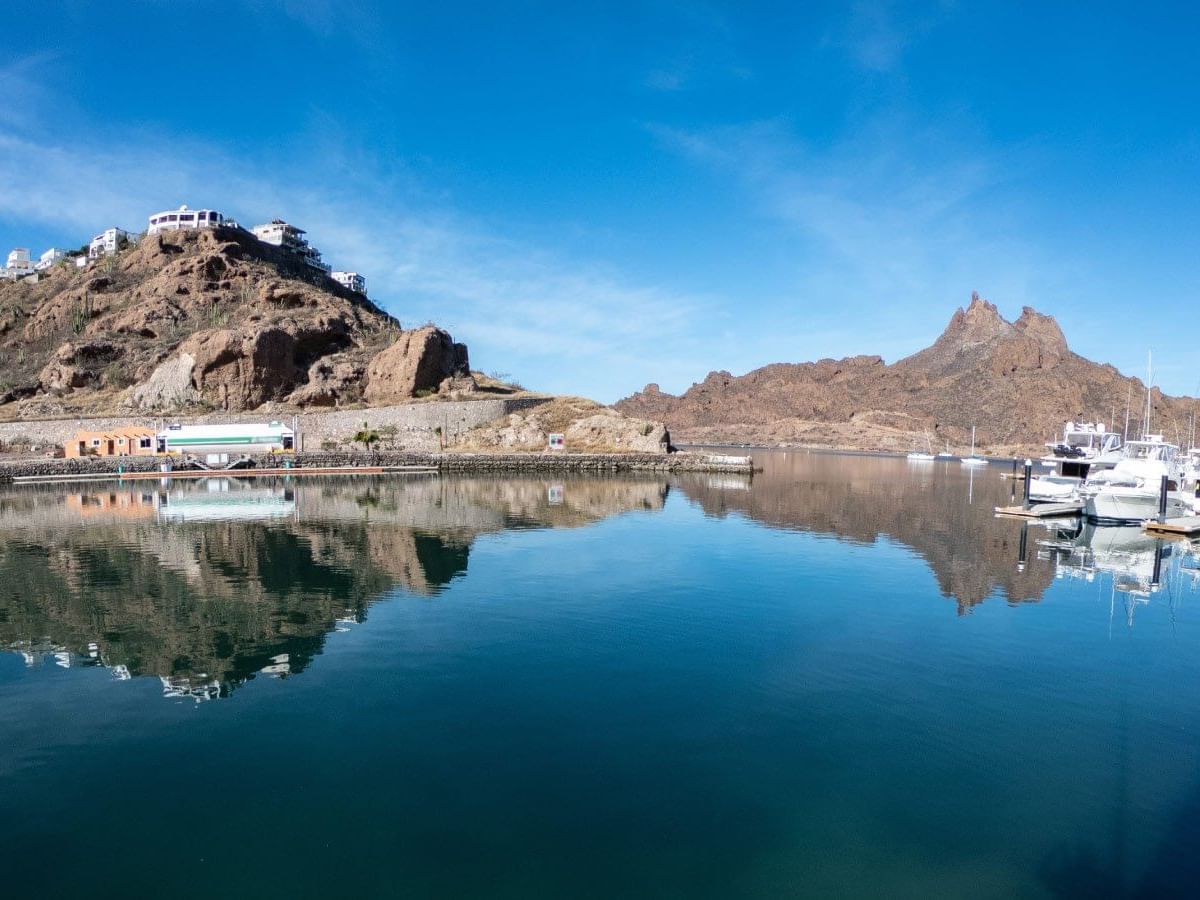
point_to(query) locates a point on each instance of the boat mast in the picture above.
(1128, 400)
(1149, 386)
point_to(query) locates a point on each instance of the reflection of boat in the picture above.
(1130, 491)
(1126, 553)
(1085, 447)
(973, 460)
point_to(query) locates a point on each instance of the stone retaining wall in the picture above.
(416, 424)
(498, 463)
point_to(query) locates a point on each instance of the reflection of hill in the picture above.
(934, 508)
(123, 568)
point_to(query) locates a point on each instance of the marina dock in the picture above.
(1180, 526)
(1041, 510)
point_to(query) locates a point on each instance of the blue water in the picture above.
(841, 679)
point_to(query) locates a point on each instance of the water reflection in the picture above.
(209, 584)
(938, 510)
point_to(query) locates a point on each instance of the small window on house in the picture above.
(121, 441)
(144, 443)
(95, 442)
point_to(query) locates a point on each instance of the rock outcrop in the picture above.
(585, 425)
(210, 319)
(419, 361)
(1018, 382)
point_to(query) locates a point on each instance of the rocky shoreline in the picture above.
(490, 463)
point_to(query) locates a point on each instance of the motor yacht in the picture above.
(1129, 491)
(1085, 447)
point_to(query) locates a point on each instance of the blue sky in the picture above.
(596, 196)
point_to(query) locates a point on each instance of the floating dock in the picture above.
(1041, 510)
(1183, 525)
(227, 473)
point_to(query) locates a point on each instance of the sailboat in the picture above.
(973, 460)
(917, 456)
(946, 454)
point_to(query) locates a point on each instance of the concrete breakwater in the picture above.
(497, 463)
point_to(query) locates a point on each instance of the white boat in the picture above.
(973, 460)
(1085, 447)
(917, 456)
(1129, 492)
(946, 454)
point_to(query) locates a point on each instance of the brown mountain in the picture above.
(210, 319)
(1017, 381)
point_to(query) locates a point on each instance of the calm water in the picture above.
(846, 678)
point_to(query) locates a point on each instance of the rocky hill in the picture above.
(1017, 381)
(207, 320)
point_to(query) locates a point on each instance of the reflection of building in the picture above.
(130, 440)
(184, 218)
(221, 500)
(114, 504)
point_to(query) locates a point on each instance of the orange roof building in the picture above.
(129, 440)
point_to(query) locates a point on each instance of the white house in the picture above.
(19, 264)
(49, 258)
(352, 280)
(177, 219)
(107, 242)
(290, 238)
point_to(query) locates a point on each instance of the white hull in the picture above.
(1053, 488)
(1119, 504)
(973, 461)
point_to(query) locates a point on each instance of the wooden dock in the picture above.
(1182, 525)
(1041, 510)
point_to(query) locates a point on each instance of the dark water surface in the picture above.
(846, 678)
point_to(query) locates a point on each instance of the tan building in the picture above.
(130, 440)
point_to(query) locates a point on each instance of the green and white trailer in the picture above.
(217, 442)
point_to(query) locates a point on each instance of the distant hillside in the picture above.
(209, 319)
(1017, 381)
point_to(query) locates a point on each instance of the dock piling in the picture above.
(1025, 490)
(1162, 501)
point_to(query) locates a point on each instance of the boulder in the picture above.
(419, 360)
(236, 371)
(76, 366)
(330, 383)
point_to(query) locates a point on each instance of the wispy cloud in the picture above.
(896, 222)
(877, 33)
(557, 322)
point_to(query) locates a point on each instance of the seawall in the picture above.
(422, 426)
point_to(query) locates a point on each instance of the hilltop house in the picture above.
(290, 238)
(18, 264)
(352, 280)
(49, 258)
(182, 218)
(107, 242)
